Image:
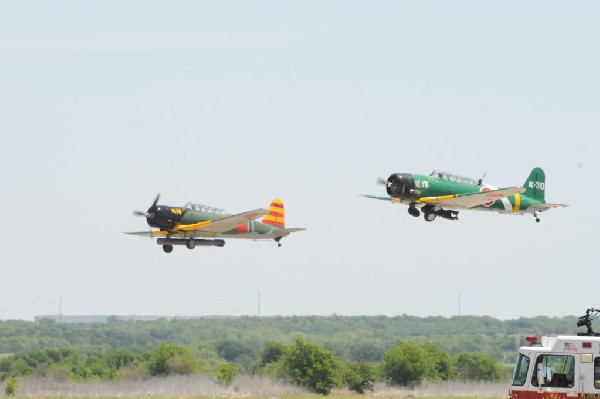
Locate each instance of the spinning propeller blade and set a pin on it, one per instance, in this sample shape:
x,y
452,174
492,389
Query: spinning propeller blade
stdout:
x,y
150,210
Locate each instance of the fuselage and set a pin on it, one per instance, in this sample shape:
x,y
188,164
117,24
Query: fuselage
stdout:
x,y
408,188
168,218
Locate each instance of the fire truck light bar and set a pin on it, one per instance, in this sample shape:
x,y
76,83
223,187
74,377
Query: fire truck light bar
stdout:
x,y
532,340
587,344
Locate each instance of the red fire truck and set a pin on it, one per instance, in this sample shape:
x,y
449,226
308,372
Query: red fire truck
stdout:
x,y
560,367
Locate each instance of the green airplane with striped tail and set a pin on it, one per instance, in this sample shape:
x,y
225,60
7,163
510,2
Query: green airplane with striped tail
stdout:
x,y
443,194
198,225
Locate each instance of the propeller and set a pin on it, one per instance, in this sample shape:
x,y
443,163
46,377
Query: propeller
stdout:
x,y
480,181
150,210
381,181
150,213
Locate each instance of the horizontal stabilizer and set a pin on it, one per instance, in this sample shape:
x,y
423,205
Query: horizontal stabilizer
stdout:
x,y
288,231
545,207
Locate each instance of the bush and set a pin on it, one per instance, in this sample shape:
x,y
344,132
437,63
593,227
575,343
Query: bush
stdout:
x,y
443,365
406,363
226,372
311,365
172,359
11,385
360,376
477,367
271,352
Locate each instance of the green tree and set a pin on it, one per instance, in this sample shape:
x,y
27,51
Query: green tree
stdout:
x,y
310,365
360,376
477,367
443,365
172,359
406,363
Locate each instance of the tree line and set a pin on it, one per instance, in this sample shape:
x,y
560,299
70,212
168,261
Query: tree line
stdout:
x,y
351,338
305,363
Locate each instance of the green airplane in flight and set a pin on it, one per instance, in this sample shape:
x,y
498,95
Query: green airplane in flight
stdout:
x,y
444,194
198,225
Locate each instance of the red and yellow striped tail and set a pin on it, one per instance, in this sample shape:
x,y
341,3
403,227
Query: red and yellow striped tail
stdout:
x,y
276,216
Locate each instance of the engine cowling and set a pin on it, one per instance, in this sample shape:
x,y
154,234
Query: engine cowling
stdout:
x,y
164,217
400,185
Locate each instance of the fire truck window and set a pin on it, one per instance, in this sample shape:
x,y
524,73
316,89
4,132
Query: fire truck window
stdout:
x,y
597,372
520,375
554,371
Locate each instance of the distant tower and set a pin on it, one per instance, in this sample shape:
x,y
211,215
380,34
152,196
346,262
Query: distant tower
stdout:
x,y
259,304
60,309
459,303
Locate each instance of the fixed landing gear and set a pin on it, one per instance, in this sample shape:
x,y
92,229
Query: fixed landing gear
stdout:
x,y
429,216
191,244
430,213
413,211
535,215
168,248
277,239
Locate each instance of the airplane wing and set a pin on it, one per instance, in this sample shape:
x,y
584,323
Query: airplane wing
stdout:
x,y
149,233
394,200
227,223
376,197
473,199
545,207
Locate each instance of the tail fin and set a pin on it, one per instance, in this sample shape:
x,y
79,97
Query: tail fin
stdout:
x,y
535,185
276,215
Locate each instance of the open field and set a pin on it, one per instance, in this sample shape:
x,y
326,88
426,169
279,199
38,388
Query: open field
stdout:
x,y
242,387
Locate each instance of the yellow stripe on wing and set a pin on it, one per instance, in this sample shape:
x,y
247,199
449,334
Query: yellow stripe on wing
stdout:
x,y
438,199
193,226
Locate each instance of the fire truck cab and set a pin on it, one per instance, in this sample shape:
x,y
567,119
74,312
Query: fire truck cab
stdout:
x,y
559,367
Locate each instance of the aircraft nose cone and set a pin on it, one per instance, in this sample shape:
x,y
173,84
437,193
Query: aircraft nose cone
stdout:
x,y
399,185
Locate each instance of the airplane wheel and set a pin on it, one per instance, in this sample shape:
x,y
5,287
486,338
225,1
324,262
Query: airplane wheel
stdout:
x,y
168,248
191,244
537,220
278,245
429,217
414,211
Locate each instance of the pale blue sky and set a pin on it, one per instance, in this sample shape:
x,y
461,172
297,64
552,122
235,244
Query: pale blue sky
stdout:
x,y
105,103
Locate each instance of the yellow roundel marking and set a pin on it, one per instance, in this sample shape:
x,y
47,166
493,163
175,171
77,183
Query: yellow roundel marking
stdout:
x,y
517,202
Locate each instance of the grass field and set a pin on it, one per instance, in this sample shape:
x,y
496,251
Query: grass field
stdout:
x,y
243,387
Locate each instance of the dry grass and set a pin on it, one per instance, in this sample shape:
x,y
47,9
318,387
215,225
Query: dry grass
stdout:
x,y
172,386
444,390
196,387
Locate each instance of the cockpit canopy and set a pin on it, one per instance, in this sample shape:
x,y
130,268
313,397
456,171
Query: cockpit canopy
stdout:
x,y
204,208
440,174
